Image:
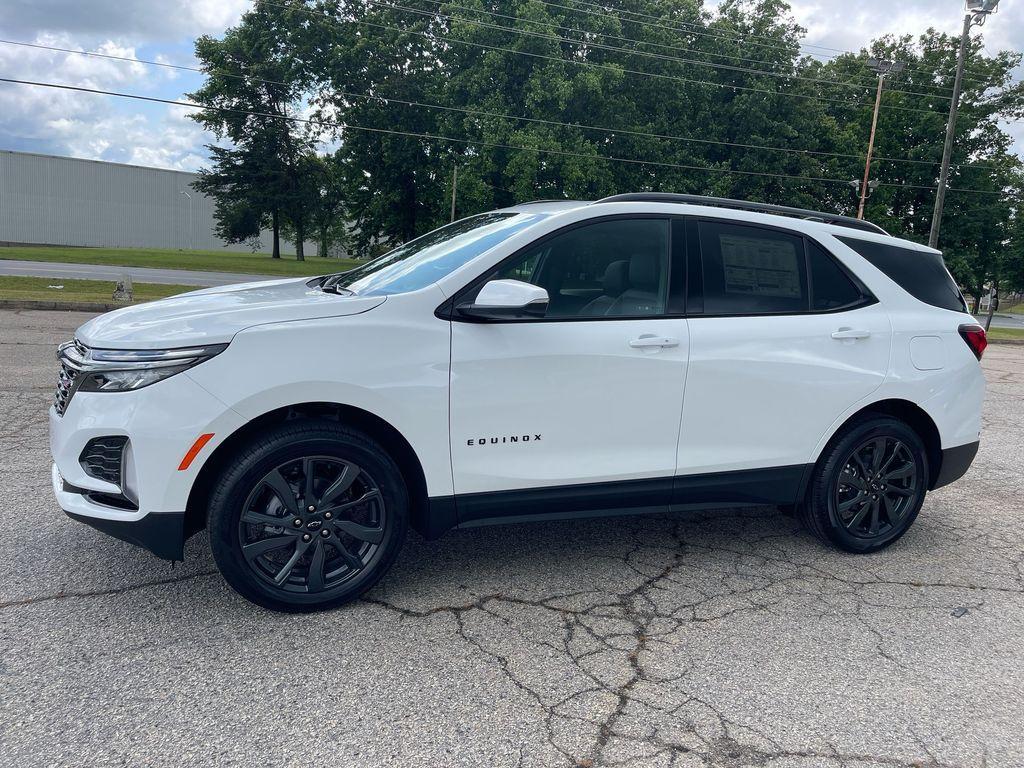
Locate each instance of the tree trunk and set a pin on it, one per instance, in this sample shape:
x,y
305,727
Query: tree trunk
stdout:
x,y
277,234
323,242
300,235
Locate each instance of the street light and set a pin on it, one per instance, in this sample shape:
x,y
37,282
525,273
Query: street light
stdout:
x,y
977,12
882,67
186,194
872,186
982,6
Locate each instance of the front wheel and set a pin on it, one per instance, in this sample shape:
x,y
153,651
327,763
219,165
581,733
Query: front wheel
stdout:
x,y
868,486
308,517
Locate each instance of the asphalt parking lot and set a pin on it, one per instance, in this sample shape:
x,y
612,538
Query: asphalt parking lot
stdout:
x,y
725,638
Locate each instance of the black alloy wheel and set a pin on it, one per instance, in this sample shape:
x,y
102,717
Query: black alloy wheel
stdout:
x,y
311,524
308,516
876,487
868,486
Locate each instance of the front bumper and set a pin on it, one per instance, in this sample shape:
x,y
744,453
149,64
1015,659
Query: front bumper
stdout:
x,y
161,422
162,533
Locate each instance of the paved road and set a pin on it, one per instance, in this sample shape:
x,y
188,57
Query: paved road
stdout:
x,y
1005,321
62,271
725,638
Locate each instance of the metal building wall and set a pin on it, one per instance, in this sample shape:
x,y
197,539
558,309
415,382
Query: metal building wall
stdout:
x,y
52,200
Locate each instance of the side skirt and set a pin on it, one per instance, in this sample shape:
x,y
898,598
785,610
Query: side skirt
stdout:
x,y
750,487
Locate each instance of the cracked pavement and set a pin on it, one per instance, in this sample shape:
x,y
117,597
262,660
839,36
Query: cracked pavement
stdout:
x,y
722,638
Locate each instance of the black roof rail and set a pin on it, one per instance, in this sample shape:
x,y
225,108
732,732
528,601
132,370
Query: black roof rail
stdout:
x,y
550,200
742,205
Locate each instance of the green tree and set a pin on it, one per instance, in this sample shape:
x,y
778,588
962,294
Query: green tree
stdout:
x,y
324,175
541,99
253,86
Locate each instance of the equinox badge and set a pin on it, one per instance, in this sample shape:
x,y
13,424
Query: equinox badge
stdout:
x,y
503,439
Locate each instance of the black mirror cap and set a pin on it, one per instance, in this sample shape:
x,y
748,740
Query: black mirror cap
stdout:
x,y
478,314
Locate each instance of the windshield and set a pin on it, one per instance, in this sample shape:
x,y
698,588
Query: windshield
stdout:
x,y
427,259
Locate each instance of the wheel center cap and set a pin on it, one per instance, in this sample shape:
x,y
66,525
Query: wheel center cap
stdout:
x,y
314,525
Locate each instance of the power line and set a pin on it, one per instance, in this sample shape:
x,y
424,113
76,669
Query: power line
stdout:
x,y
606,35
486,113
469,142
472,142
687,26
630,51
689,29
594,65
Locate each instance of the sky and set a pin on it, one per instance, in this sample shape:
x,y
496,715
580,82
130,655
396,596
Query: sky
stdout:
x,y
127,131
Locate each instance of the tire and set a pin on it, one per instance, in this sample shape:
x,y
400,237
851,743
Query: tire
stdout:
x,y
307,545
862,498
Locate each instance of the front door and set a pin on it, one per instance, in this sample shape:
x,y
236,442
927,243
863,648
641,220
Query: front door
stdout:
x,y
590,395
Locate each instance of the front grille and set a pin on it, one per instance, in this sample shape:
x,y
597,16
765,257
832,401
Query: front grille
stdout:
x,y
65,388
67,376
102,458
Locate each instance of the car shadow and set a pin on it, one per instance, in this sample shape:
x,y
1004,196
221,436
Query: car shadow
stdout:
x,y
537,560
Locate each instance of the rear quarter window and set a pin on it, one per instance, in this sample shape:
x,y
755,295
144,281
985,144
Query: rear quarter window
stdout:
x,y
923,275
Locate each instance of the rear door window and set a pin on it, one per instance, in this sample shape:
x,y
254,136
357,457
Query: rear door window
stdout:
x,y
921,274
750,270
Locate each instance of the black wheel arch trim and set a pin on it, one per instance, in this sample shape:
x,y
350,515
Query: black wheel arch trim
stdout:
x,y
421,511
911,414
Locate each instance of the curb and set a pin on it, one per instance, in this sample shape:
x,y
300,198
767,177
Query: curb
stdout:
x,y
60,306
1011,342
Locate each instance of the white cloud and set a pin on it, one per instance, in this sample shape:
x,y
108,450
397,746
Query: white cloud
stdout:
x,y
167,72
88,125
141,19
840,24
90,71
172,141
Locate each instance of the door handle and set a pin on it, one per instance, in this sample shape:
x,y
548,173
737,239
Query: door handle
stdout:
x,y
650,340
850,333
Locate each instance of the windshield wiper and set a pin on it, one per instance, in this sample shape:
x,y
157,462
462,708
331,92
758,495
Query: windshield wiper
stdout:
x,y
329,284
336,289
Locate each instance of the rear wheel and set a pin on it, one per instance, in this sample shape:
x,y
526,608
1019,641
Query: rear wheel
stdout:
x,y
868,486
308,517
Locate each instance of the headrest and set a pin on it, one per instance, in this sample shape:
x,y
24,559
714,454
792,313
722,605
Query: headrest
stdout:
x,y
644,269
616,278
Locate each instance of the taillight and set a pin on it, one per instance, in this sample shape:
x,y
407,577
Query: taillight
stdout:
x,y
975,337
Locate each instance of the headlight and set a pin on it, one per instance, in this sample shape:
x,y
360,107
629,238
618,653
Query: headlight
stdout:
x,y
118,370
120,381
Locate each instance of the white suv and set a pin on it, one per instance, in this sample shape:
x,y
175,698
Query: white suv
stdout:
x,y
552,360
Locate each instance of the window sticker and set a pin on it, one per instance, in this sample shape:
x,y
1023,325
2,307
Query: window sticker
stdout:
x,y
760,267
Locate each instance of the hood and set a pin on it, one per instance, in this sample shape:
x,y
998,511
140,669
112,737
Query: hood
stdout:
x,y
215,315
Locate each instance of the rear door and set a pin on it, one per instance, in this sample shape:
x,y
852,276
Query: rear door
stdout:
x,y
783,340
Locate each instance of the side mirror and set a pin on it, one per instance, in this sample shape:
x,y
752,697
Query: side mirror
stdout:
x,y
505,300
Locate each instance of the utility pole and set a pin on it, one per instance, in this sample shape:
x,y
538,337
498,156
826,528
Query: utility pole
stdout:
x,y
455,183
882,67
977,12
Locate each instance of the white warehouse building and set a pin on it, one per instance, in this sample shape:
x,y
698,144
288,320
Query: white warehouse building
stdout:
x,y
50,200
